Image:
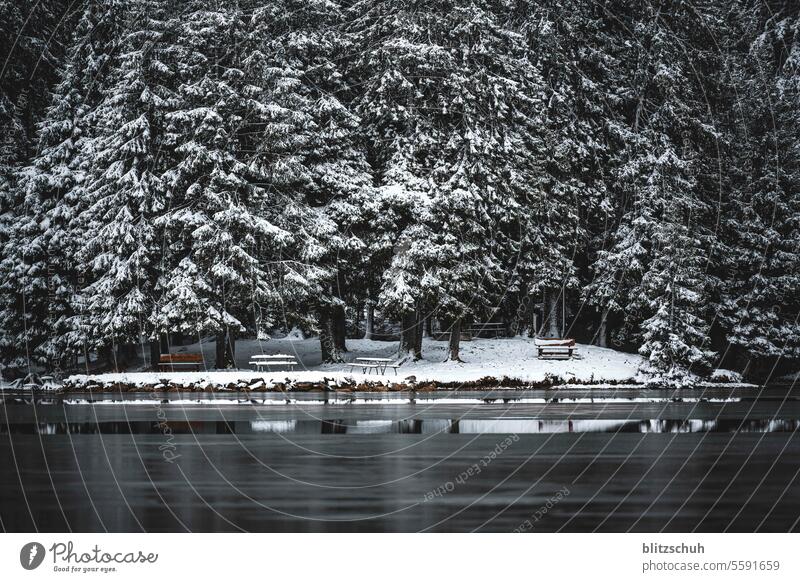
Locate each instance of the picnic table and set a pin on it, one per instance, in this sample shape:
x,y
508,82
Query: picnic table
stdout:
x,y
259,362
377,364
555,348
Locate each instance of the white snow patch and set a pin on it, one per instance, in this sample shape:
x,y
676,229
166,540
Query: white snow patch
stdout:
x,y
512,358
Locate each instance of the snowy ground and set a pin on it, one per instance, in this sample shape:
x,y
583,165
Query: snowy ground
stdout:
x,y
512,358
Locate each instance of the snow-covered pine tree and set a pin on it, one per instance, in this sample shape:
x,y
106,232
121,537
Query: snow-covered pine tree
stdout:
x,y
664,237
674,286
581,55
326,180
487,169
398,73
284,46
123,247
621,245
514,149
448,101
228,134
40,274
618,266
32,40
760,222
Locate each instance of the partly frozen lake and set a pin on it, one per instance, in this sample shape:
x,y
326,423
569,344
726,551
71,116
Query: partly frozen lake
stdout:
x,y
608,460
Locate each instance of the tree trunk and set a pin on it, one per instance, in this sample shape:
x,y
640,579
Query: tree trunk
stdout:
x,y
164,339
370,320
408,338
220,349
119,357
552,315
230,347
602,332
155,354
126,353
428,326
340,329
110,357
327,340
418,336
455,340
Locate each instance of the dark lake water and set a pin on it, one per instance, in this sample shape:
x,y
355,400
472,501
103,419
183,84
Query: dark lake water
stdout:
x,y
567,460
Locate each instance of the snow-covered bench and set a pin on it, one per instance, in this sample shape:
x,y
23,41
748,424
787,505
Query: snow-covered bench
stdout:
x,y
278,360
553,348
172,361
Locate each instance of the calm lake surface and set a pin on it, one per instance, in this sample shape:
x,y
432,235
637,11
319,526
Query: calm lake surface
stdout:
x,y
538,460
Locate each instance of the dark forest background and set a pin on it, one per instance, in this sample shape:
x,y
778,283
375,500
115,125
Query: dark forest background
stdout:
x,y
622,172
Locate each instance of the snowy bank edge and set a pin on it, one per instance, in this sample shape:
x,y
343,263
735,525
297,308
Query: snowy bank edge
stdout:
x,y
300,382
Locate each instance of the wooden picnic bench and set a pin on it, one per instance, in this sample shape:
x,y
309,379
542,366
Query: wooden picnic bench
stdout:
x,y
553,348
493,329
172,361
259,362
377,364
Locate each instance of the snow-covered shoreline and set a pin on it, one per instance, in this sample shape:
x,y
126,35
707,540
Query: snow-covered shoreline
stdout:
x,y
236,381
497,363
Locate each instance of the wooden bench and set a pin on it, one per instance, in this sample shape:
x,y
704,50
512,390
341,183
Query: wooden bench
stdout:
x,y
553,348
172,361
493,329
278,360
